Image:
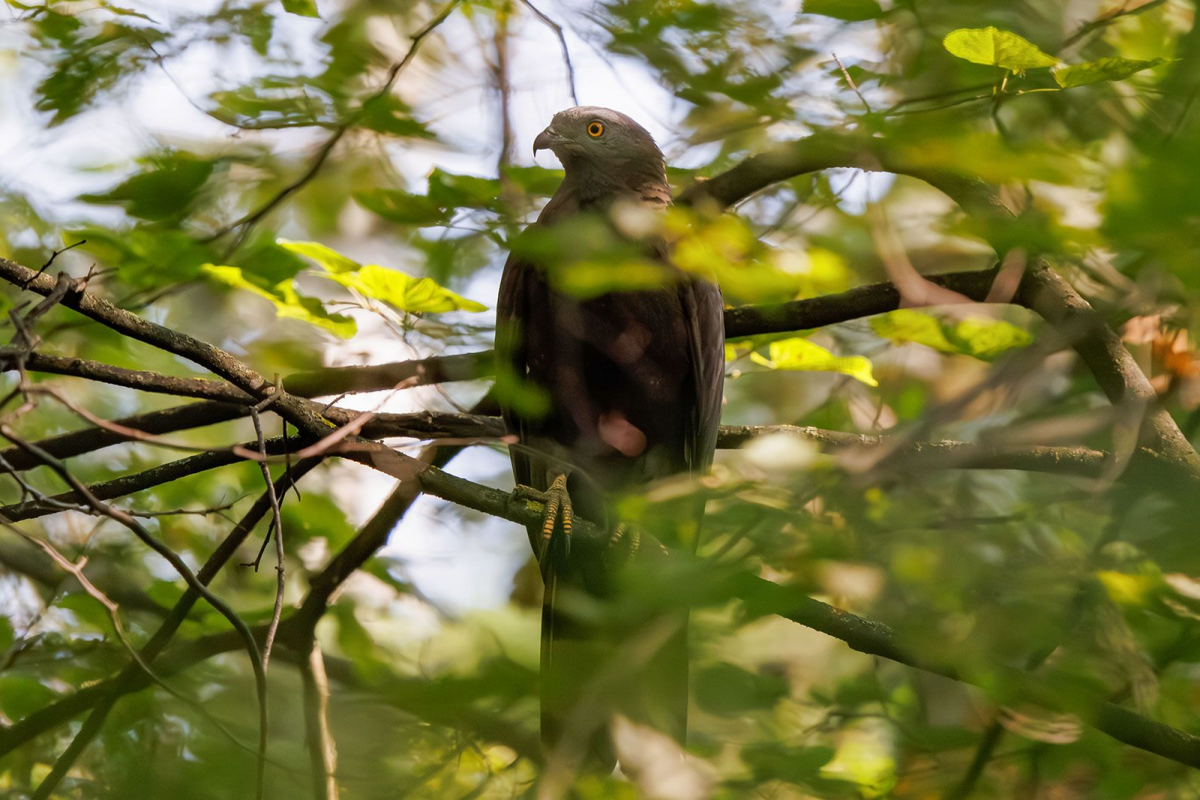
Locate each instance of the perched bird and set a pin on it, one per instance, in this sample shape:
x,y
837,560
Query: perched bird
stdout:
x,y
633,379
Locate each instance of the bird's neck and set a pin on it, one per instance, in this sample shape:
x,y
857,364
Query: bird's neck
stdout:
x,y
598,186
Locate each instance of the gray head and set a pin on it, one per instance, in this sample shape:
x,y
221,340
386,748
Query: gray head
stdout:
x,y
596,140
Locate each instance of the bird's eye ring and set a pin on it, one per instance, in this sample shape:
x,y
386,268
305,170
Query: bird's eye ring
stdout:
x,y
595,129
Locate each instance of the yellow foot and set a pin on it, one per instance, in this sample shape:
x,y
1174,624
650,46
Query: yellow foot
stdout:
x,y
623,545
557,517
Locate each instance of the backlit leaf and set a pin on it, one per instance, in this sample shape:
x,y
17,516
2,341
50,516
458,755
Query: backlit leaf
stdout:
x,y
289,304
998,48
801,354
1104,69
981,338
327,257
404,292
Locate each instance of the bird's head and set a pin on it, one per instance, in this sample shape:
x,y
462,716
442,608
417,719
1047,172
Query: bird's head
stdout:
x,y
595,138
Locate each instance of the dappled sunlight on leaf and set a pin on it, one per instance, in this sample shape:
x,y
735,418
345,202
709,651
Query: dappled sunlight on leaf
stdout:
x,y
801,354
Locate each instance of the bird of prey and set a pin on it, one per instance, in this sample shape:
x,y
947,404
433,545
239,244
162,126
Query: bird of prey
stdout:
x,y
633,379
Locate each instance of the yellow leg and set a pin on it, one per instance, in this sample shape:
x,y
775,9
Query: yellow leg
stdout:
x,y
558,514
616,540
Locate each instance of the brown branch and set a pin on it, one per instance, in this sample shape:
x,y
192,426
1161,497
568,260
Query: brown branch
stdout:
x,y
861,634
105,694
143,380
137,482
67,759
321,748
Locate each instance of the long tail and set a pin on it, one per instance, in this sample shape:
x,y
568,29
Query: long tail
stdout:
x,y
593,668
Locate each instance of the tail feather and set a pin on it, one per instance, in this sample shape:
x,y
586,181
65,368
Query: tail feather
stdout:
x,y
593,669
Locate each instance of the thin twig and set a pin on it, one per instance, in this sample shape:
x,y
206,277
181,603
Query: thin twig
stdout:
x,y
562,43
277,517
853,85
251,219
181,567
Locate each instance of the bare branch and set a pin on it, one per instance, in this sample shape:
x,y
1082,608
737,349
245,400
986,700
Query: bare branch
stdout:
x,y
321,747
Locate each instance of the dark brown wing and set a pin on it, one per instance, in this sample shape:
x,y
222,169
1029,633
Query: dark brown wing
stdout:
x,y
511,312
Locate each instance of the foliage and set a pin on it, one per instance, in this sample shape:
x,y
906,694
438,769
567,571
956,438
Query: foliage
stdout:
x,y
969,476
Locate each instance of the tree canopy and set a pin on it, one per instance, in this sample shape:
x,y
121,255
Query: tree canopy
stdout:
x,y
257,532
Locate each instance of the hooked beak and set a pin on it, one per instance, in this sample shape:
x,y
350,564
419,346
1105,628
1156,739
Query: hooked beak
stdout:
x,y
546,140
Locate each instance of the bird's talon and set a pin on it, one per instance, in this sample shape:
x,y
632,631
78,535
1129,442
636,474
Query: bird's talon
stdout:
x,y
557,518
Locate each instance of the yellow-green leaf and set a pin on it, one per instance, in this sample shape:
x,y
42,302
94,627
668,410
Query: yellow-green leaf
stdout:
x,y
287,301
403,292
327,257
997,48
801,354
906,325
1104,69
981,338
986,339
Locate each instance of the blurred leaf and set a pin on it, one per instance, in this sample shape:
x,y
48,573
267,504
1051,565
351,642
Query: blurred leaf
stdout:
x,y
164,191
288,302
728,690
774,761
998,48
386,113
906,325
302,8
801,354
986,339
7,635
84,68
21,695
146,255
982,338
327,257
463,191
87,609
849,10
1105,69
402,207
537,181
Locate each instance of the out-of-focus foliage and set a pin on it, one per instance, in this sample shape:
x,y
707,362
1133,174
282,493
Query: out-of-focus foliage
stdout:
x,y
211,153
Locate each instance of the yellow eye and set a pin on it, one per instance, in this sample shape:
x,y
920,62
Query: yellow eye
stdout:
x,y
595,129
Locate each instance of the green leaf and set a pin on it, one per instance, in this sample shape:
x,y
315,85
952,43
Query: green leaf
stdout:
x,y
7,635
469,191
1104,69
386,113
728,690
164,191
403,207
327,257
997,48
848,10
535,180
801,354
302,8
981,338
288,302
20,696
985,339
404,292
